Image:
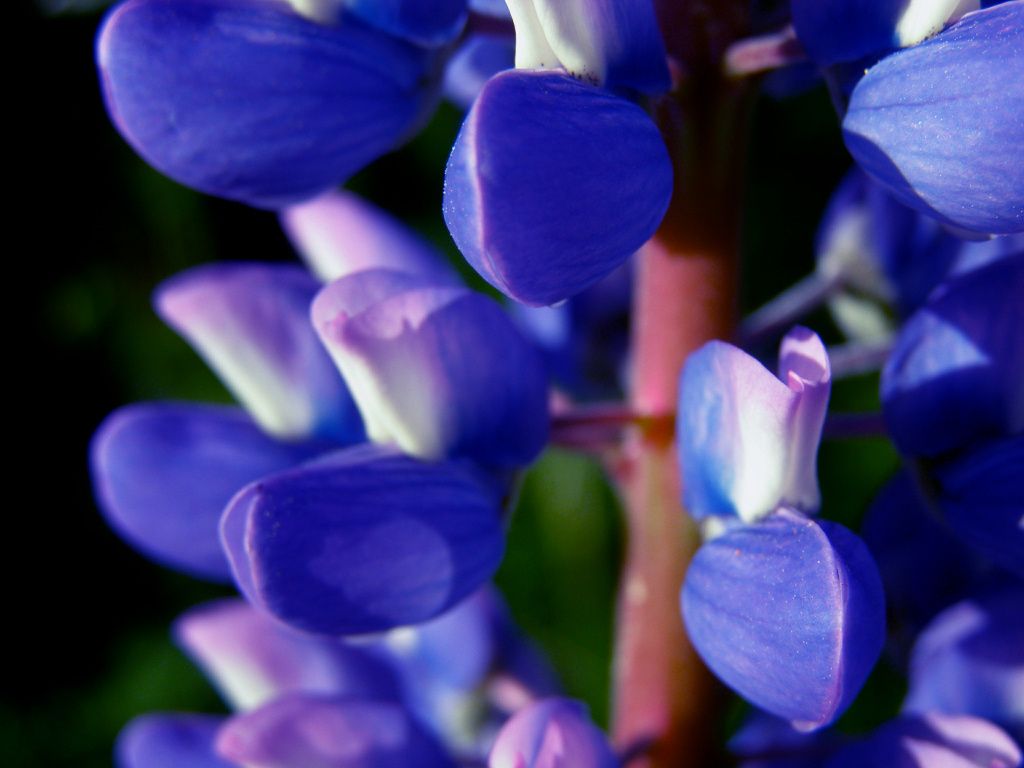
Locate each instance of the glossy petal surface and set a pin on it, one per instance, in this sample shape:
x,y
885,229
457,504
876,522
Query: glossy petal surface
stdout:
x,y
163,474
322,732
363,541
932,741
339,233
551,733
250,322
956,373
748,442
248,100
970,661
960,97
252,658
613,43
437,371
789,613
552,184
170,741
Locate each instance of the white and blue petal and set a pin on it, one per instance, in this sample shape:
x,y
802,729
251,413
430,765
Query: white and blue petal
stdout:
x,y
551,733
253,659
164,472
932,741
311,731
249,100
611,43
939,124
956,373
250,322
363,541
170,740
748,442
339,233
438,371
789,613
552,184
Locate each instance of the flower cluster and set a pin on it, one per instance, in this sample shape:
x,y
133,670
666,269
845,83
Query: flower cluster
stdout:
x,y
357,497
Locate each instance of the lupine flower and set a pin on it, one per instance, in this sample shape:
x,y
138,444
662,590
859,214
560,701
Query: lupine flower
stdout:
x,y
551,733
786,610
554,181
311,101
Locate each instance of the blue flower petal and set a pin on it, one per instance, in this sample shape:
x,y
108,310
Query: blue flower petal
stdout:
x,y
253,659
748,442
939,124
479,59
956,373
982,495
932,741
551,733
163,474
362,541
428,22
970,661
170,741
339,233
247,100
552,184
789,613
438,371
323,732
250,322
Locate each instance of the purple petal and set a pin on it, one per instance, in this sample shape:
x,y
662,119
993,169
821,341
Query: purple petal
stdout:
x,y
939,124
479,59
438,371
552,184
551,733
970,661
363,541
428,22
163,474
339,233
955,374
170,741
247,100
250,322
253,659
323,732
748,442
789,613
612,43
932,741
982,496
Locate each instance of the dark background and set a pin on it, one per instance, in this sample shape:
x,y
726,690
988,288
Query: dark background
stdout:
x,y
92,230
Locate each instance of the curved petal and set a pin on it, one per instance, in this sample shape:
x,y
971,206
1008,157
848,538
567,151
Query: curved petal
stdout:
x,y
955,374
253,659
339,233
982,496
552,184
428,22
789,613
939,124
748,442
441,372
551,733
324,732
170,741
932,741
247,100
363,541
479,59
164,472
970,661
250,322
612,43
